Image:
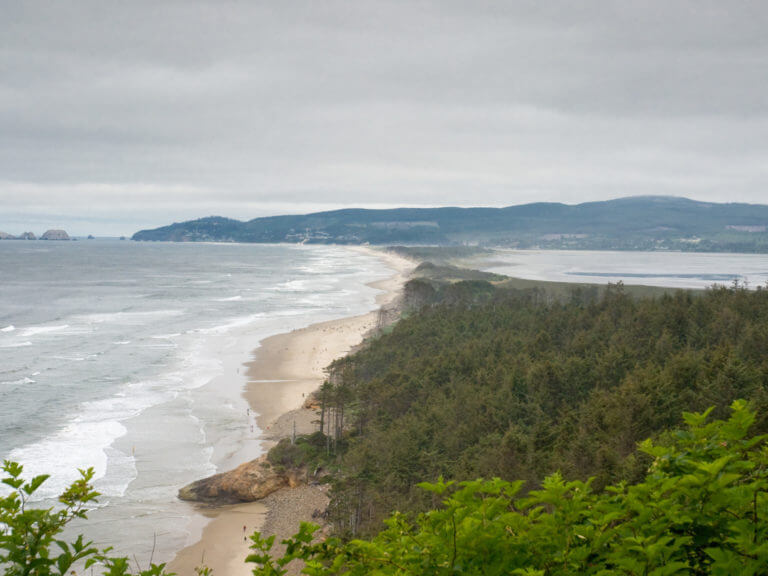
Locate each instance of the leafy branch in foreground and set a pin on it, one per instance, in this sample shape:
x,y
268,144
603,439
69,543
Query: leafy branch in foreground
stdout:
x,y
701,509
30,538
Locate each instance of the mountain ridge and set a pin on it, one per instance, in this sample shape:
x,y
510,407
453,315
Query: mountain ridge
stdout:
x,y
628,223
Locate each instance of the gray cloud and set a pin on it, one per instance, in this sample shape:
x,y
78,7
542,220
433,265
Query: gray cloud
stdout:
x,y
132,114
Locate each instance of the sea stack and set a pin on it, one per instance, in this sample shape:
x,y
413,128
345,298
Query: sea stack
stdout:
x,y
55,235
6,236
27,236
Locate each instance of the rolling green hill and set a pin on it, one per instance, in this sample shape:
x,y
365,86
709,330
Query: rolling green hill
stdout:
x,y
636,223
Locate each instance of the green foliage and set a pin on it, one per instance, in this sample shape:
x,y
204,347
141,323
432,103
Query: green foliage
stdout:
x,y
521,385
308,451
30,538
701,509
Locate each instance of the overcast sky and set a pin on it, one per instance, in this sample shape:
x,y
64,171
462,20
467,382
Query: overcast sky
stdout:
x,y
116,116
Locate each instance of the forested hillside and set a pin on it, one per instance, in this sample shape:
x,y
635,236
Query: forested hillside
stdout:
x,y
511,383
638,223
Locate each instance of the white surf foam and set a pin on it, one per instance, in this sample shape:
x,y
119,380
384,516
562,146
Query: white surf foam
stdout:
x,y
289,313
292,286
10,328
128,318
16,344
79,444
232,324
86,440
19,382
35,330
121,471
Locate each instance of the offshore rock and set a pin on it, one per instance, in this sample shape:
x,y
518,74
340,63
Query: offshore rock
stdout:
x,y
248,482
55,235
6,236
27,236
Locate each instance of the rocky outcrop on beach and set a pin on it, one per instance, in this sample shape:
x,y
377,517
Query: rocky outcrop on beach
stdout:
x,y
248,482
55,235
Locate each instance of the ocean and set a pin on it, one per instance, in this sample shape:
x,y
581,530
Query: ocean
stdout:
x,y
128,358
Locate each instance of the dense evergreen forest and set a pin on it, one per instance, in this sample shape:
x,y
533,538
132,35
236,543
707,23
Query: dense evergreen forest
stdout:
x,y
485,382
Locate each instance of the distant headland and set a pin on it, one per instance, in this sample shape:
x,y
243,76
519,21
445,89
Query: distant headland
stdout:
x,y
52,234
633,223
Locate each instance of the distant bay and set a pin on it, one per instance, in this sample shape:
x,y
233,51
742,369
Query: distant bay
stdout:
x,y
661,268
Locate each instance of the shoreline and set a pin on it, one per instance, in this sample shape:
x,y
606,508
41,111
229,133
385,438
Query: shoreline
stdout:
x,y
283,371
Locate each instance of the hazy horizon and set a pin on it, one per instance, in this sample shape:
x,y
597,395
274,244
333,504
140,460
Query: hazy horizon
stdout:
x,y
78,231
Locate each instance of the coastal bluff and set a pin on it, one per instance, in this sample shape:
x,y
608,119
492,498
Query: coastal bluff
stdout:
x,y
248,482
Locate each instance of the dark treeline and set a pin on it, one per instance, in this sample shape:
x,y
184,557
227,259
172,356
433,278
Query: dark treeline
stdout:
x,y
510,383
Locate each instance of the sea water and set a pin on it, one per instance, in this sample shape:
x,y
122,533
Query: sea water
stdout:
x,y
128,358
667,269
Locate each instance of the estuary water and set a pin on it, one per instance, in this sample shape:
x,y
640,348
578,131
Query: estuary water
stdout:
x,y
128,358
667,269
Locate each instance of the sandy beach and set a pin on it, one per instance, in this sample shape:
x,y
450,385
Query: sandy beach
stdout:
x,y
285,369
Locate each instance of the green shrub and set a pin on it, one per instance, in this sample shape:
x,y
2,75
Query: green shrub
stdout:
x,y
701,509
30,538
307,451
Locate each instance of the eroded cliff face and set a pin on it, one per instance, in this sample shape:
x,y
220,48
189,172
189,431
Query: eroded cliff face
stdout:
x,y
247,483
